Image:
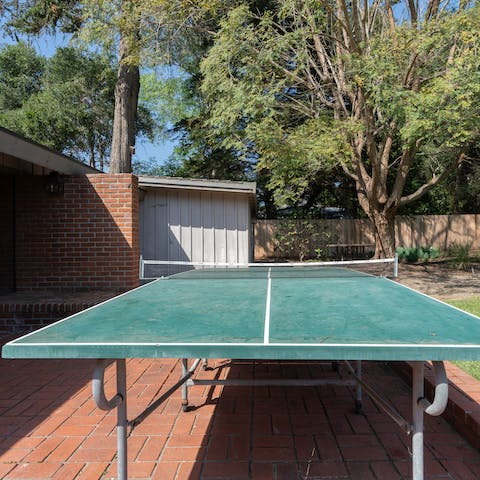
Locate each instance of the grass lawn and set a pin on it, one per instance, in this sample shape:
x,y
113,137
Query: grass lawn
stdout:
x,y
471,305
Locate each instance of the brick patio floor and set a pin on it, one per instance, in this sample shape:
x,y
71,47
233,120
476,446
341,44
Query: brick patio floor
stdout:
x,y
51,429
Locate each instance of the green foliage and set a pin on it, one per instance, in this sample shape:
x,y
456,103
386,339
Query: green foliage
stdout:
x,y
163,91
21,71
459,254
149,167
443,114
48,15
176,107
458,250
285,87
301,239
71,108
414,254
250,92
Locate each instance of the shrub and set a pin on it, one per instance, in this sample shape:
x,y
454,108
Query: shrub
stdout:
x,y
428,253
459,254
301,239
414,254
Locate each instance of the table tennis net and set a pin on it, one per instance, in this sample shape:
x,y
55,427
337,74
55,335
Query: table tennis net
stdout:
x,y
152,269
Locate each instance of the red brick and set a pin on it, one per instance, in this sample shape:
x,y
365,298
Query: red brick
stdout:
x,y
14,455
166,471
459,470
73,430
92,471
385,470
187,456
315,469
263,471
89,455
65,449
189,471
58,238
100,441
183,454
218,448
230,470
43,450
360,453
135,470
5,468
239,448
360,471
152,449
266,454
68,471
33,471
287,471
187,441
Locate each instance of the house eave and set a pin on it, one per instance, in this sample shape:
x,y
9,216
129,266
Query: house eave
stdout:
x,y
16,146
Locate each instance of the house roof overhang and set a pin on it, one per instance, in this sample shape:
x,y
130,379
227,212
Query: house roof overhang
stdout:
x,y
18,147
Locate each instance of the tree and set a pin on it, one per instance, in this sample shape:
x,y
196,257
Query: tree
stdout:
x,y
71,107
369,87
65,102
182,106
21,70
142,32
126,89
76,17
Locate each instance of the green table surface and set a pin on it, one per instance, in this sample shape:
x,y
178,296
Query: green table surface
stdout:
x,y
244,315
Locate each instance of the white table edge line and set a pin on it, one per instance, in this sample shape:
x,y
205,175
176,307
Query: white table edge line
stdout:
x,y
252,344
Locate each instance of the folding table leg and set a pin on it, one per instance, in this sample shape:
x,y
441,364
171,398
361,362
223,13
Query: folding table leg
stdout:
x,y
118,401
184,385
358,389
417,417
122,422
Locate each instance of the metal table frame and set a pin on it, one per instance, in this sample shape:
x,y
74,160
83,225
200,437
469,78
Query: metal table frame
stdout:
x,y
420,404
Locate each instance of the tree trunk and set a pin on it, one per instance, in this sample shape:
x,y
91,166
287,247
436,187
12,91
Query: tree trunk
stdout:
x,y
126,102
384,227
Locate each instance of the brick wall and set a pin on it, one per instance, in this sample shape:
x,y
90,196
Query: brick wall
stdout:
x,y
17,319
7,222
87,238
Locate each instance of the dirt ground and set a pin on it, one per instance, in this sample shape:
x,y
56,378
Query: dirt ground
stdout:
x,y
441,279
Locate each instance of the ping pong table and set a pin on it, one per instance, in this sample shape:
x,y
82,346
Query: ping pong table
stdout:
x,y
280,313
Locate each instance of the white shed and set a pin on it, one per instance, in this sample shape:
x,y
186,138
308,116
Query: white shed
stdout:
x,y
196,220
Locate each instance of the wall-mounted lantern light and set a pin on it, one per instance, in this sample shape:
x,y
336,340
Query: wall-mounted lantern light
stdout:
x,y
54,183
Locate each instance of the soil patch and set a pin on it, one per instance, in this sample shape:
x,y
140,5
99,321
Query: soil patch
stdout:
x,y
441,279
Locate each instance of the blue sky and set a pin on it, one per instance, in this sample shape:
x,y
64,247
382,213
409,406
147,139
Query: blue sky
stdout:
x,y
144,149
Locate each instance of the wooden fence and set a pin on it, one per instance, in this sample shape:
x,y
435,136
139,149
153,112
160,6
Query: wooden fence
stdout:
x,y
440,231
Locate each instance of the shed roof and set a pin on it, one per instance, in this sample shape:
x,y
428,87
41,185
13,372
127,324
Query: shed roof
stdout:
x,y
201,184
18,147
198,184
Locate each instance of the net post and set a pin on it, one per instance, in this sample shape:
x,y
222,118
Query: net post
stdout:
x,y
142,267
395,266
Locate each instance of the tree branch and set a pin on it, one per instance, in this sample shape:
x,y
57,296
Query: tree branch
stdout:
x,y
432,182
